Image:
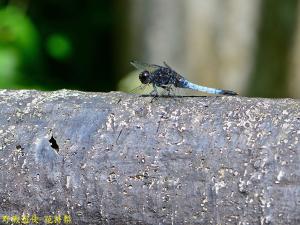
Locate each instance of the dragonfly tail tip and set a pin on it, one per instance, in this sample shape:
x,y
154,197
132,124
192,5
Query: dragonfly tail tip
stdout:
x,y
226,92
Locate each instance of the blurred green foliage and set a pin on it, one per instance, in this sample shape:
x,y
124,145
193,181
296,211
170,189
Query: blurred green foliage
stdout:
x,y
19,47
57,44
275,42
59,47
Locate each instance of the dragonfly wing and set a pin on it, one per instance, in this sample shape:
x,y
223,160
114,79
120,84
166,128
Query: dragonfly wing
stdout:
x,y
139,88
144,66
166,65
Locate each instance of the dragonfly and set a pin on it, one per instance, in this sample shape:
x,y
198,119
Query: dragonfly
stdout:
x,y
167,78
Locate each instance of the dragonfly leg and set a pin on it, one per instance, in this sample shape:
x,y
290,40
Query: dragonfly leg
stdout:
x,y
168,89
154,92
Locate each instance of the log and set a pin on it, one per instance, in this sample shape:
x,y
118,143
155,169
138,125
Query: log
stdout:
x,y
114,158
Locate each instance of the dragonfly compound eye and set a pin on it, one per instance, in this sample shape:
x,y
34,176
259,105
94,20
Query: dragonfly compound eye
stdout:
x,y
145,77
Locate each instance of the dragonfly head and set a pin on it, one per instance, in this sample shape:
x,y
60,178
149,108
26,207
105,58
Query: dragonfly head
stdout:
x,y
145,77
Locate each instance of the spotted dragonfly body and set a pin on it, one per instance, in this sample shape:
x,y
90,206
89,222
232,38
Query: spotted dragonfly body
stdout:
x,y
165,77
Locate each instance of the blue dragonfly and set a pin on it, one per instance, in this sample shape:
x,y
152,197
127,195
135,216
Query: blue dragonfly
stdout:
x,y
167,78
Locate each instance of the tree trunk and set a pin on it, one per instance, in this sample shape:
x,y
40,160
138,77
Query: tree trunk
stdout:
x,y
112,158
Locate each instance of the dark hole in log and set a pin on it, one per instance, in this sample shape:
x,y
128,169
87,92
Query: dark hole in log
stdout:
x,y
53,143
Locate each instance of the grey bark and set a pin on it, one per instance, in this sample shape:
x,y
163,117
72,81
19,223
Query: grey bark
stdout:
x,y
112,158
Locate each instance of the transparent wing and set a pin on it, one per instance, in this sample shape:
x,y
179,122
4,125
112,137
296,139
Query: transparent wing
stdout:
x,y
166,65
140,88
144,66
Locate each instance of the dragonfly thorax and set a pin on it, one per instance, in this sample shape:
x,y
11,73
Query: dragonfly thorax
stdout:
x,y
145,77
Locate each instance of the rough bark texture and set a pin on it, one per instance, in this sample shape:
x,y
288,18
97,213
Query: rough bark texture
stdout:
x,y
112,158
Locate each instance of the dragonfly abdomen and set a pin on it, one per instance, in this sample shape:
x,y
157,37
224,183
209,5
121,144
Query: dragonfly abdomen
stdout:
x,y
189,85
